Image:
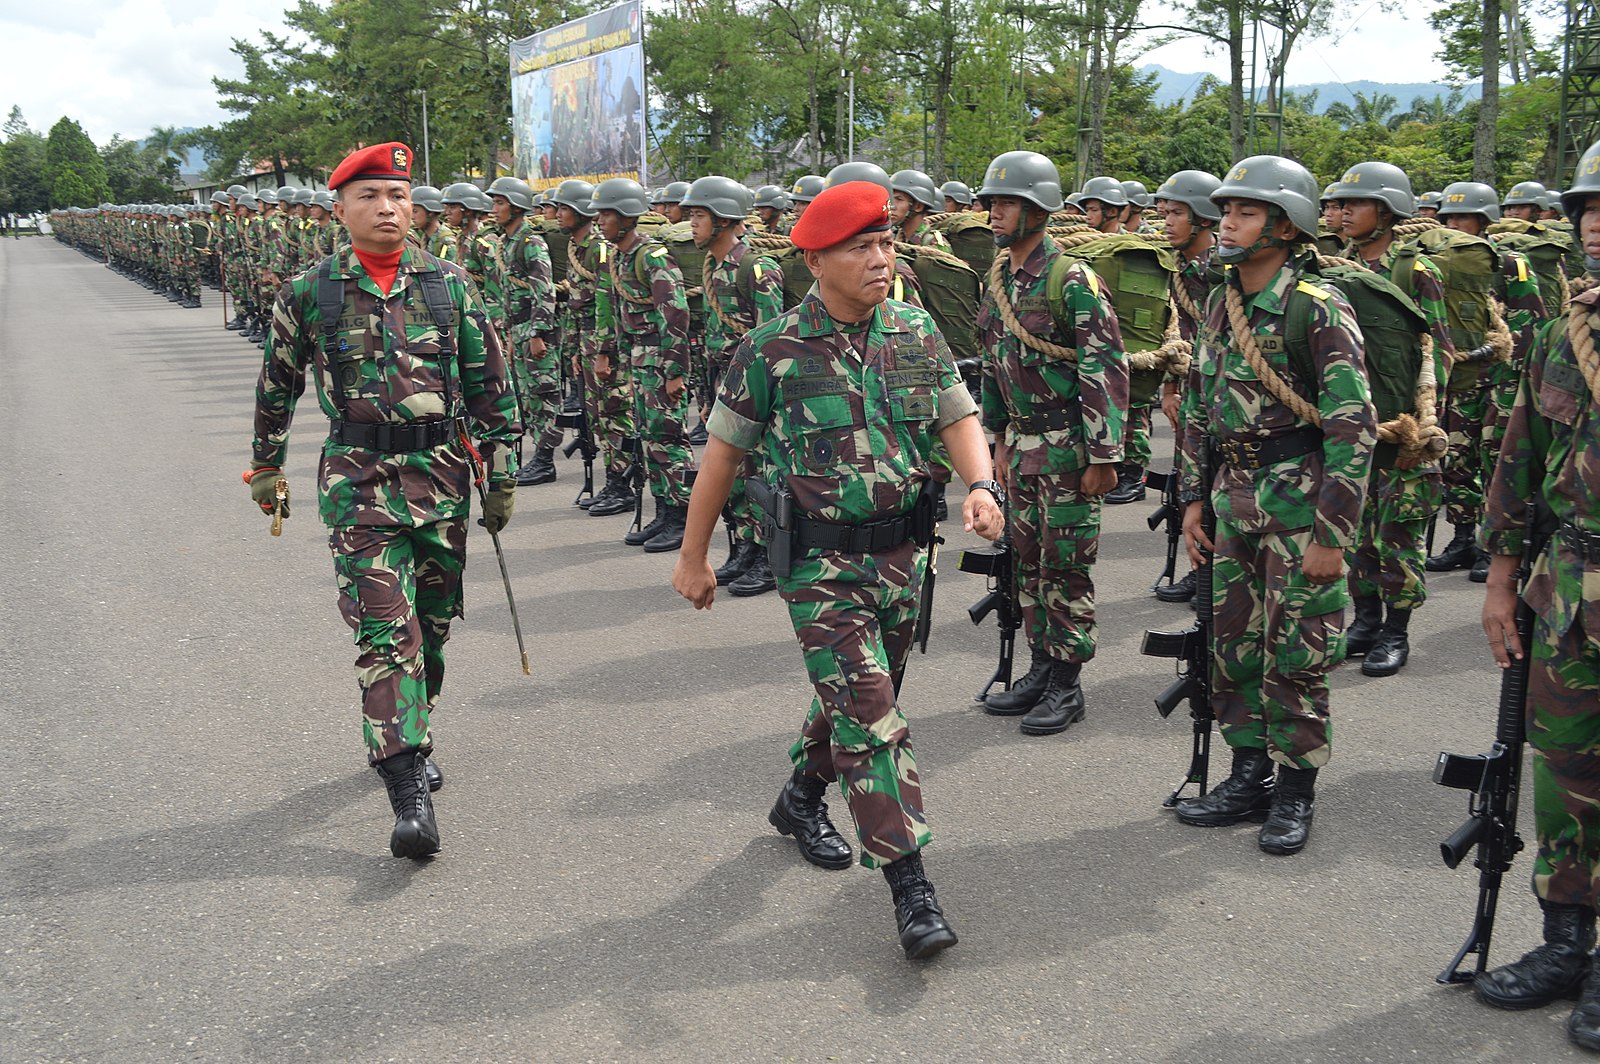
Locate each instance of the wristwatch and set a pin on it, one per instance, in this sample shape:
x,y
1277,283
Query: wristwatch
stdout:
x,y
992,487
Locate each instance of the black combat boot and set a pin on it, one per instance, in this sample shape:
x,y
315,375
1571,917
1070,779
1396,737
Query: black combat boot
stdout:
x,y
698,436
1583,1026
801,811
638,537
1244,795
670,535
922,926
1360,636
1460,553
254,332
1558,969
614,498
1389,653
1288,826
433,773
757,580
740,558
1130,484
1178,591
1022,694
540,469
1480,569
237,323
1061,704
415,832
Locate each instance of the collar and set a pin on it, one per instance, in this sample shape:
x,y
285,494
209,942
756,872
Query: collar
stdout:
x,y
816,321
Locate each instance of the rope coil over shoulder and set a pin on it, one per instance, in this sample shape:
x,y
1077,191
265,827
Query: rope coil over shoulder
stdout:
x,y
1580,334
1008,315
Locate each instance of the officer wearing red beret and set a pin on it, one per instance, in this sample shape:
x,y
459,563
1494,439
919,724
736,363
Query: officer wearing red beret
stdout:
x,y
846,395
405,367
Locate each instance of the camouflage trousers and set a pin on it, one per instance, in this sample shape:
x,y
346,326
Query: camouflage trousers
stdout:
x,y
742,514
399,588
1055,532
1467,416
854,615
1563,721
1276,636
659,418
1136,437
1503,379
609,405
1387,561
540,392
239,286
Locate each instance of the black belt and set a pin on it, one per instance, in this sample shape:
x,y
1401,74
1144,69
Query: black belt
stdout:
x,y
1260,452
1039,424
865,538
1584,543
393,439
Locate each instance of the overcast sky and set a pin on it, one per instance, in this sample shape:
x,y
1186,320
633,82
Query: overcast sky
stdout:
x,y
125,66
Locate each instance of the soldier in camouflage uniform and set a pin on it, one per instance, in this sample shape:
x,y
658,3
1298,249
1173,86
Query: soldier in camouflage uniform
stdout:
x,y
1184,203
844,395
957,197
1286,464
527,296
1386,567
912,199
806,188
1139,201
771,203
1055,388
744,289
645,293
428,225
1548,480
272,253
396,471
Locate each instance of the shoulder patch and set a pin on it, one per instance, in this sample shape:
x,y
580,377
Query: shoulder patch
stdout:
x,y
1522,268
656,253
1420,266
1311,290
757,268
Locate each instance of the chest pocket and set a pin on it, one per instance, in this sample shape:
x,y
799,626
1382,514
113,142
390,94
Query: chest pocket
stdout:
x,y
352,362
911,393
1562,393
822,424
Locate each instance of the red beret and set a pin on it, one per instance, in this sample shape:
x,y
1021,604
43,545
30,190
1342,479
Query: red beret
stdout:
x,y
381,162
839,213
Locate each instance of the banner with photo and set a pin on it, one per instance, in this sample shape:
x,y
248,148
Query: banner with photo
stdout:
x,y
578,97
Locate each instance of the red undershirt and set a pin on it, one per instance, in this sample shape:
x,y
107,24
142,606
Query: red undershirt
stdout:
x,y
381,268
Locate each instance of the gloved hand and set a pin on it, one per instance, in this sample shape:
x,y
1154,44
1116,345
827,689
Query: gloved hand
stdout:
x,y
263,483
498,502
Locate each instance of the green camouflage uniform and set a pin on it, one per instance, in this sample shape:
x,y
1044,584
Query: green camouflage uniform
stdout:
x,y
740,295
398,520
645,292
845,420
608,401
1276,635
1058,417
1551,454
529,295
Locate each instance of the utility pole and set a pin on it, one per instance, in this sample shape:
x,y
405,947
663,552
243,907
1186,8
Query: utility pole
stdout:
x,y
427,168
850,139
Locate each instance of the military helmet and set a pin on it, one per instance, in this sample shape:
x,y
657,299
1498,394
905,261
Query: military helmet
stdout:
x,y
1430,199
859,171
266,195
771,196
1551,200
1585,183
620,194
514,190
1026,175
917,185
428,198
1138,195
1470,197
957,191
1379,181
1524,194
481,202
237,190
658,195
725,197
806,188
322,198
674,192
286,194
1107,190
305,196
1281,182
1193,189
220,199
1327,193
459,194
575,194
248,202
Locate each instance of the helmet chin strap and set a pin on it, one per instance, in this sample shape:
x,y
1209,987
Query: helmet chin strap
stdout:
x,y
1023,230
716,231
1233,256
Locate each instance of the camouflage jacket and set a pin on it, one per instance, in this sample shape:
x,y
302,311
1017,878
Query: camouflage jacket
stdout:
x,y
1551,453
389,370
1021,382
1225,400
589,310
645,291
928,237
1519,291
273,248
1197,278
479,252
732,308
527,290
442,243
848,418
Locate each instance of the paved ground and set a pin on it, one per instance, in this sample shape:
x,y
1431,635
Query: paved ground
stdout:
x,y
194,863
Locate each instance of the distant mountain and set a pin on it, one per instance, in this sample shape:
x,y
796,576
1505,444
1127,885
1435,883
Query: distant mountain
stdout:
x,y
1173,86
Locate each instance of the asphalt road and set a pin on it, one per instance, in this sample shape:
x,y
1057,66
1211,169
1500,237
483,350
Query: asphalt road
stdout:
x,y
194,862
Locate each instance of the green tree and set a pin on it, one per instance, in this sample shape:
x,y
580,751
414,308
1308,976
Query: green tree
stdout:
x,y
73,172
22,184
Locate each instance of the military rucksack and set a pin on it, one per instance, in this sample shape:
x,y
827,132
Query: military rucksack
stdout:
x,y
1469,266
1136,276
1545,249
691,260
950,292
971,239
557,242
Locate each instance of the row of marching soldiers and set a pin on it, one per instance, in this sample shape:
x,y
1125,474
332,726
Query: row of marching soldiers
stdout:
x,y
164,247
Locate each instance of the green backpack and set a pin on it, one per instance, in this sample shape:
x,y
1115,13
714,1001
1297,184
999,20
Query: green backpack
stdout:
x,y
1136,275
951,292
1392,328
1470,266
971,239
691,261
1545,249
558,243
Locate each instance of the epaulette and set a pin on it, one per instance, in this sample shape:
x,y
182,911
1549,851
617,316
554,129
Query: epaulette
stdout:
x,y
1311,290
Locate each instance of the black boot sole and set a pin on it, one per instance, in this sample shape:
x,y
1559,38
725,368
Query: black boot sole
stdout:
x,y
1009,712
1523,1004
1280,850
412,844
781,822
1253,816
1052,729
934,942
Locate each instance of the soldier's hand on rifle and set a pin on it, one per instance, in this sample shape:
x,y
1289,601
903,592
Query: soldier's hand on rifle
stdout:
x,y
263,483
1500,611
498,502
981,514
1194,535
1096,480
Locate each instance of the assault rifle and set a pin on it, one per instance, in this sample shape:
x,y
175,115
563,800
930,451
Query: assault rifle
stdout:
x,y
919,635
1494,778
1170,514
578,420
1192,648
999,565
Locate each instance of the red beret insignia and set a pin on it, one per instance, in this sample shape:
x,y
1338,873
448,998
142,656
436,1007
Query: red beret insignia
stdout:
x,y
381,162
